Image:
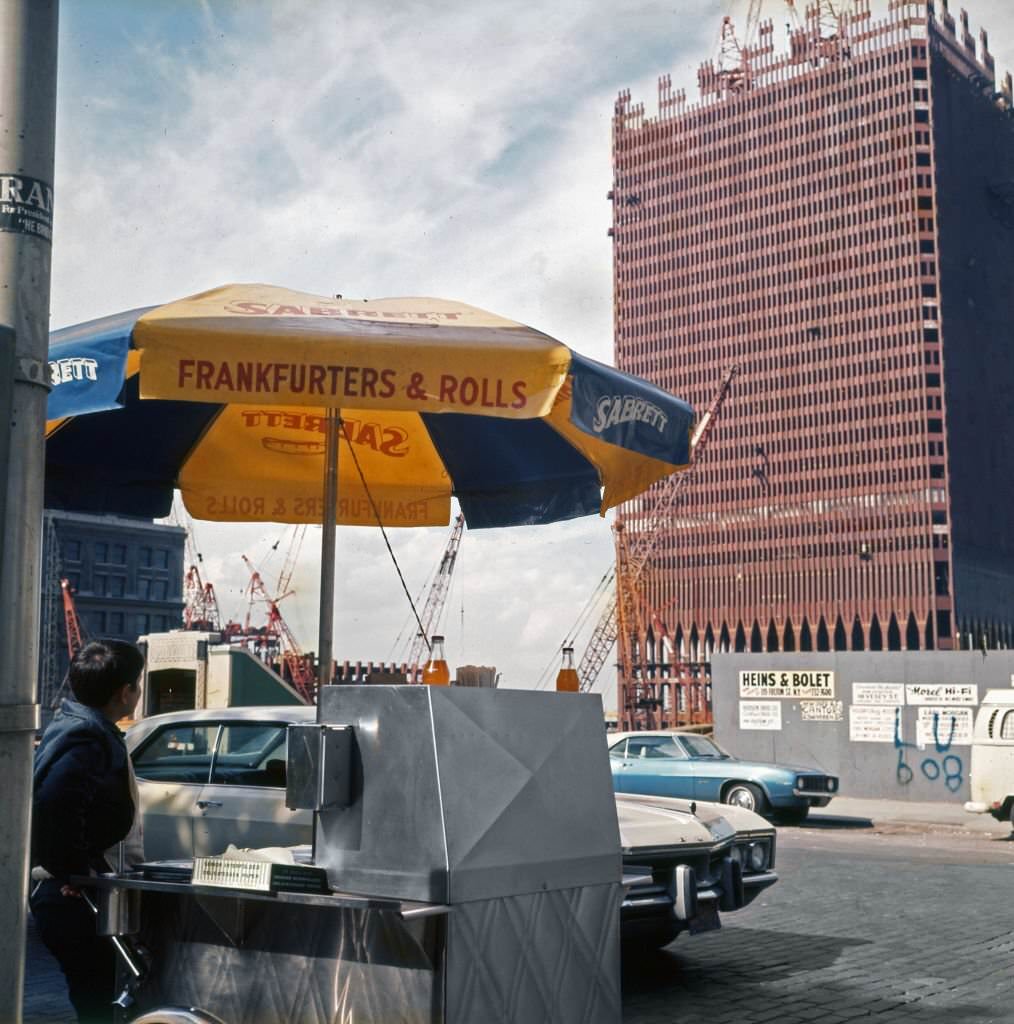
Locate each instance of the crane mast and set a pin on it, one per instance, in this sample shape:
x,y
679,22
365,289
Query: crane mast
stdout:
x,y
435,600
75,639
295,662
201,603
633,556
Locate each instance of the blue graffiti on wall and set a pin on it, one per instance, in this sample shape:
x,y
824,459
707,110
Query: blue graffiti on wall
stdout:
x,y
950,768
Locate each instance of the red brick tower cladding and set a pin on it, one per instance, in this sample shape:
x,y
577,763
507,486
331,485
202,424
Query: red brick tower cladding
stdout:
x,y
786,223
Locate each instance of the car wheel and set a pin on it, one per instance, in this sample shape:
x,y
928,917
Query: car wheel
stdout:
x,y
793,815
745,794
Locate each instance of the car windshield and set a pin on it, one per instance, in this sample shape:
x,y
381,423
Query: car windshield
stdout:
x,y
701,746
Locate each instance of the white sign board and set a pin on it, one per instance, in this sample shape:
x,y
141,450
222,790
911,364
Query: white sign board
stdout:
x,y
942,728
874,724
942,693
788,685
760,714
881,694
822,710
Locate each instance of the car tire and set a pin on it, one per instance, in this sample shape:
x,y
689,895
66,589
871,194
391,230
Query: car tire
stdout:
x,y
793,815
747,795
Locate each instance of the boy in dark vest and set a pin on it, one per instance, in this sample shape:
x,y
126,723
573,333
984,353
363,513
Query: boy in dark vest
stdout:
x,y
84,802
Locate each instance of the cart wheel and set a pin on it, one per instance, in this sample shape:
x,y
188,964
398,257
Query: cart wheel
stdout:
x,y
176,1015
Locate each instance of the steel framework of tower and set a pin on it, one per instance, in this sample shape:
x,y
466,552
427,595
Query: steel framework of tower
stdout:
x,y
841,230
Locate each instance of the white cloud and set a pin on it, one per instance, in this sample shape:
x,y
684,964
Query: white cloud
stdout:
x,y
444,148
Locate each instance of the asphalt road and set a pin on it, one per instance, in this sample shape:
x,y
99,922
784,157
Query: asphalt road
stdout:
x,y
892,922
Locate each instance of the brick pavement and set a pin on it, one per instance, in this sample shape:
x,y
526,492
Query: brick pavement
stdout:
x,y
843,939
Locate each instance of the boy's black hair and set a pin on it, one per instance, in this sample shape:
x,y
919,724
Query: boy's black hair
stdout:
x,y
101,668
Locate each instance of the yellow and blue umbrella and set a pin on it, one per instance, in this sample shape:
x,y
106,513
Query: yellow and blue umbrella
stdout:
x,y
437,398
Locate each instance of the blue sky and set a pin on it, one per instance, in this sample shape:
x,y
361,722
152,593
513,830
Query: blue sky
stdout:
x,y
432,148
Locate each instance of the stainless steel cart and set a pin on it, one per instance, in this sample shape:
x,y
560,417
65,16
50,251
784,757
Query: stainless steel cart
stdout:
x,y
473,859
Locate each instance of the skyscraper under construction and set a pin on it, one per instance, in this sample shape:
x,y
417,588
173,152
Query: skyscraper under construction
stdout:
x,y
836,217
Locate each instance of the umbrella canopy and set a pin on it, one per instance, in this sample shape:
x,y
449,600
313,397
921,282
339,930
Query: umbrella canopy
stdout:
x,y
225,395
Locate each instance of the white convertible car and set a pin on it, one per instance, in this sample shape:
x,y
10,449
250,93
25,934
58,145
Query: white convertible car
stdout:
x,y
210,778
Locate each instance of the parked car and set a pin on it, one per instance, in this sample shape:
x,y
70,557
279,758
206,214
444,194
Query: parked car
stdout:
x,y
688,765
210,778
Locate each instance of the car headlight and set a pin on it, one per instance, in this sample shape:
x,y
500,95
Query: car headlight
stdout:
x,y
758,856
737,854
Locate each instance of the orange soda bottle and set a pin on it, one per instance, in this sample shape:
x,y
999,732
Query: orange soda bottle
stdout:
x,y
566,678
435,671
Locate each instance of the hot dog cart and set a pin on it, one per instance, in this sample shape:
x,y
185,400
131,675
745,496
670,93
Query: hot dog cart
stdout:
x,y
466,868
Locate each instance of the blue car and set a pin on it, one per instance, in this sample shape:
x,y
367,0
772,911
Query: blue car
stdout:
x,y
687,765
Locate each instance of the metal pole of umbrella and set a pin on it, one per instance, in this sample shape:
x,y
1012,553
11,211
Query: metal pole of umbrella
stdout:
x,y
28,42
325,643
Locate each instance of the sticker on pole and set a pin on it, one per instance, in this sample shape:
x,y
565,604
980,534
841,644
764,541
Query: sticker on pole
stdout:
x,y
26,206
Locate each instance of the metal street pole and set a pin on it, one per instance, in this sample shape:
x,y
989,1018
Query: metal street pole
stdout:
x,y
325,627
28,42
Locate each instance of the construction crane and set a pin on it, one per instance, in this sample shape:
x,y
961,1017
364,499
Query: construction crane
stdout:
x,y
633,555
289,565
733,65
200,609
434,607
295,664
75,633
818,37
733,57
200,603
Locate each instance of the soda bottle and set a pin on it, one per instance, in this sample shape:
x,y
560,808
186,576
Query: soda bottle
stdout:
x,y
566,678
435,671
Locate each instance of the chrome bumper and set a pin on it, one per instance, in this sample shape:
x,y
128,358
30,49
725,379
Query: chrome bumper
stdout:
x,y
815,799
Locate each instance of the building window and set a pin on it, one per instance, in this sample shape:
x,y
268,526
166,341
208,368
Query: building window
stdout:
x,y
160,558
99,584
101,551
117,586
142,624
158,590
144,556
116,623
118,554
144,588
72,550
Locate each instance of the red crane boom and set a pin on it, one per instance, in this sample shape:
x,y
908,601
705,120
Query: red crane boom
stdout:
x,y
75,640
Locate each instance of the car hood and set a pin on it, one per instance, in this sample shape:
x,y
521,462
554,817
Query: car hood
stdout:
x,y
766,766
651,822
739,818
